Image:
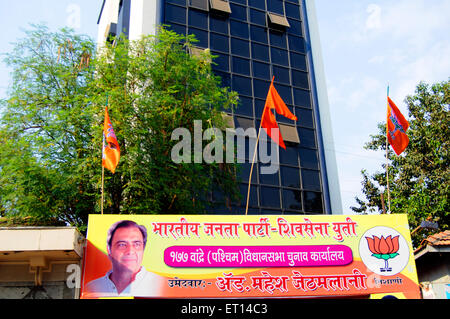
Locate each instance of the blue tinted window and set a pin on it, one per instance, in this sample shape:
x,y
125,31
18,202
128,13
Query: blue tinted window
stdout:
x,y
295,27
292,10
239,29
261,70
198,19
260,4
242,85
221,62
305,117
245,106
302,98
290,177
218,24
312,202
308,158
260,52
279,56
240,47
241,66
253,198
311,180
175,14
269,179
275,6
238,12
298,61
307,137
180,29
300,79
296,44
201,36
219,42
278,39
285,93
244,172
224,77
289,155
292,199
270,197
281,74
261,88
258,34
259,107
257,17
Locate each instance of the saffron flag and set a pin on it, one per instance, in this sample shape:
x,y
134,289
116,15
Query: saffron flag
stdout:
x,y
111,149
396,128
268,122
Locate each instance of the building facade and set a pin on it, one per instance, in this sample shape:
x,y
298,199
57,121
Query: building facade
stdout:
x,y
255,40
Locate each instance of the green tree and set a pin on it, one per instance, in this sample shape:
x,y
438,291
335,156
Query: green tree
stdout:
x,y
51,126
419,179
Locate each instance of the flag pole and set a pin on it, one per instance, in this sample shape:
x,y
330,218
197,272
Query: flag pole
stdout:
x,y
254,155
103,168
103,176
387,157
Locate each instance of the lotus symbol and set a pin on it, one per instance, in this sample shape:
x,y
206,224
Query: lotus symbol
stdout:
x,y
383,248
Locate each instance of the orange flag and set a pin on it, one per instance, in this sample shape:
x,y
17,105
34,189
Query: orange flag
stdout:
x,y
396,128
111,149
274,101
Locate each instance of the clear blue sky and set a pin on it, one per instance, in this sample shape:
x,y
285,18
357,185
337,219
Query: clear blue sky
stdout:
x,y
365,45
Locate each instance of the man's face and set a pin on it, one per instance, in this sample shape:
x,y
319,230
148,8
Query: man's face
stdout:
x,y
127,249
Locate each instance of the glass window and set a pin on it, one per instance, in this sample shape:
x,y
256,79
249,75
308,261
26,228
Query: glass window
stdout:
x,y
253,198
307,137
260,52
244,172
220,62
198,19
270,197
257,4
258,34
219,42
298,61
292,199
180,2
309,159
311,180
245,106
201,36
242,85
259,107
218,24
275,6
257,17
239,29
277,39
290,155
302,98
180,29
313,202
300,79
281,74
295,27
292,10
290,177
238,12
261,88
269,179
285,93
175,14
305,117
241,66
279,56
261,70
296,44
240,47
224,77
199,4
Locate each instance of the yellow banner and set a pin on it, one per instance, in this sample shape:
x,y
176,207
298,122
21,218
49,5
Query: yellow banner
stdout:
x,y
214,256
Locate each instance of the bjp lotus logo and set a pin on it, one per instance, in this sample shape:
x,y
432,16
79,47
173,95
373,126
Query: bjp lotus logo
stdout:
x,y
384,248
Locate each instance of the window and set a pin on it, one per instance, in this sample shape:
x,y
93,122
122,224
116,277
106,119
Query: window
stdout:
x,y
298,61
307,137
253,198
199,4
261,88
290,177
219,42
313,202
220,6
302,98
279,56
270,197
305,117
269,179
257,17
311,180
241,66
238,12
175,14
240,47
289,133
239,29
218,24
277,20
258,34
261,70
242,85
308,158
220,62
198,19
292,199
281,74
300,79
260,52
245,106
289,156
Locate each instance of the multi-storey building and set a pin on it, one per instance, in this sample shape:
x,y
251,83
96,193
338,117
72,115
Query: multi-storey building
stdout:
x,y
255,40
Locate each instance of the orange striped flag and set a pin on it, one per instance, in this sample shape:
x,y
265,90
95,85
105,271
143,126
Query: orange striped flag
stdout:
x,y
396,128
111,149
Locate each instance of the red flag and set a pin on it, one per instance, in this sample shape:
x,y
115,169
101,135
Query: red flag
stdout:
x,y
396,128
111,149
274,101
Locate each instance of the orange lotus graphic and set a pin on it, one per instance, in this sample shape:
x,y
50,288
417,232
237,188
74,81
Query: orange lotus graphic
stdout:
x,y
384,248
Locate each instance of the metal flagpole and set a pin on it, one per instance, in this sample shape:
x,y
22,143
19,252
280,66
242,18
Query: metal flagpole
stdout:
x,y
387,158
253,162
103,168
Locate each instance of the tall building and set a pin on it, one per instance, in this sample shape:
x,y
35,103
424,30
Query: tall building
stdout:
x,y
255,40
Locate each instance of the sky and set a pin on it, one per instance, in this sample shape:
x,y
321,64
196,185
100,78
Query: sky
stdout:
x,y
366,46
